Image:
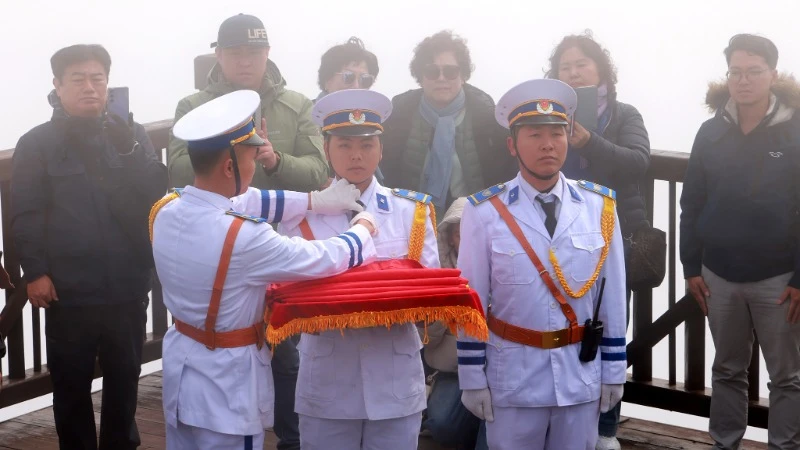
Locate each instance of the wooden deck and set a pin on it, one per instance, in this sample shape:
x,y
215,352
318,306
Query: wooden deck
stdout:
x,y
36,431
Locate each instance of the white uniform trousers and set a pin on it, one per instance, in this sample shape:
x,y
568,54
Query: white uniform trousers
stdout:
x,y
187,437
360,434
548,428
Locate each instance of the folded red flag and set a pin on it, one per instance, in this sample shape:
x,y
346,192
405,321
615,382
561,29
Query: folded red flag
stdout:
x,y
383,293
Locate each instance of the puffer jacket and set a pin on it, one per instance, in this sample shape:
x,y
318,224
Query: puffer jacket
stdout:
x,y
293,135
402,166
740,205
619,158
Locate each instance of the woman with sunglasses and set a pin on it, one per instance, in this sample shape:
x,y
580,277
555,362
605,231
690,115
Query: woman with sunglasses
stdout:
x,y
615,153
347,66
442,139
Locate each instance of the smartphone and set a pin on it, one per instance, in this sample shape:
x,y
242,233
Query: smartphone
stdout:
x,y
586,112
117,102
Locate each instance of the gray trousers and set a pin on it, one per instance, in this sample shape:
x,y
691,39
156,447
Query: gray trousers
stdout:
x,y
735,310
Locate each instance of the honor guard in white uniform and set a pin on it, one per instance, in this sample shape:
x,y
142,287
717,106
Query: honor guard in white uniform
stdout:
x,y
545,255
215,254
364,388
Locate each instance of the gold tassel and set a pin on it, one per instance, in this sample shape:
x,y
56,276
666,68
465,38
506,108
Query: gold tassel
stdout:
x,y
416,239
468,319
425,338
607,229
433,219
157,207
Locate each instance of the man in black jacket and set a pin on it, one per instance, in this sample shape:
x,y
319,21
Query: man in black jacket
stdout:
x,y
740,225
82,185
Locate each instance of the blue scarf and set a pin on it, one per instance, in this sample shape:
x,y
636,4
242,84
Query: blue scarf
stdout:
x,y
436,179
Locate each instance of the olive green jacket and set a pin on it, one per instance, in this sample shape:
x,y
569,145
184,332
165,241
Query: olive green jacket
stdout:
x,y
293,135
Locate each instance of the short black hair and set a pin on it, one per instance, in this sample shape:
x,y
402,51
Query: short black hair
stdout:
x,y
204,161
336,57
588,46
443,41
79,53
757,45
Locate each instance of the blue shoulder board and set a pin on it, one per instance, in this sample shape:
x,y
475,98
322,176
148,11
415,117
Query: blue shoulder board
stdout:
x,y
178,191
412,195
480,197
246,217
594,187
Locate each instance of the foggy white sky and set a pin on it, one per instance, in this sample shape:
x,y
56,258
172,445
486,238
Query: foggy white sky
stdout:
x,y
666,51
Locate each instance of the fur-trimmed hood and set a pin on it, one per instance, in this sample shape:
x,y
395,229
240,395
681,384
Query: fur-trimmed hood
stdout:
x,y
786,94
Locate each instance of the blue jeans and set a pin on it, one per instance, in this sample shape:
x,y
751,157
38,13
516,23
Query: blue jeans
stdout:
x,y
449,422
609,421
285,365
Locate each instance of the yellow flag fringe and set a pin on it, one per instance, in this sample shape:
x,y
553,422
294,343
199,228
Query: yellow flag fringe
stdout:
x,y
465,318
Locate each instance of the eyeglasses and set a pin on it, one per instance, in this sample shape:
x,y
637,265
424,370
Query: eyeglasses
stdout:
x,y
365,80
433,72
736,75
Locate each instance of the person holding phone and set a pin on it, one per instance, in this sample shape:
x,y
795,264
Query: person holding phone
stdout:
x,y
616,153
81,190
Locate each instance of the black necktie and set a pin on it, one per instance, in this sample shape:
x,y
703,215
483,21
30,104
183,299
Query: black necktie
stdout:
x,y
550,215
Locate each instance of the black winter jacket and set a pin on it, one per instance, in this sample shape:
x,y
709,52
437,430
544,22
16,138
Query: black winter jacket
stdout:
x,y
740,205
619,159
65,174
496,163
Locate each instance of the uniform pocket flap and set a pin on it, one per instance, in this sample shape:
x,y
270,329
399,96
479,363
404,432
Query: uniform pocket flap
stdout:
x,y
590,241
316,346
407,345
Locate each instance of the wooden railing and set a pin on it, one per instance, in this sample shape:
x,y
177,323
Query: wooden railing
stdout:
x,y
690,397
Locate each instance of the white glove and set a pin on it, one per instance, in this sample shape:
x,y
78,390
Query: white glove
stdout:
x,y
369,218
610,395
339,197
479,403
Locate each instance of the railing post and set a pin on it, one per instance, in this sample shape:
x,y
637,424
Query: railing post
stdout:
x,y
672,269
16,335
695,351
643,306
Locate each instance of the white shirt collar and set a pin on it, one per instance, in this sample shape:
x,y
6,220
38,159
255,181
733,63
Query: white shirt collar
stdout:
x,y
532,193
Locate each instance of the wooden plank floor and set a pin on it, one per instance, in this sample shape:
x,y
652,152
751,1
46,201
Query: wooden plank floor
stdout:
x,y
36,431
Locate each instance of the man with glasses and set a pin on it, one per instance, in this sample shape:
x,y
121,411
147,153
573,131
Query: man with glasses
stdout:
x,y
739,238
294,161
82,186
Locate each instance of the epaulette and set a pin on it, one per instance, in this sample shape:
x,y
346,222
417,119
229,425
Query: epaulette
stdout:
x,y
480,197
157,207
600,189
246,217
412,195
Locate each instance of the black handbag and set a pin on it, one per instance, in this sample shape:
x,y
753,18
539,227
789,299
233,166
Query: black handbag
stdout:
x,y
646,264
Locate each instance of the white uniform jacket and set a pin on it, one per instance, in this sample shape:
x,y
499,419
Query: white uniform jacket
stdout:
x,y
498,268
230,390
369,373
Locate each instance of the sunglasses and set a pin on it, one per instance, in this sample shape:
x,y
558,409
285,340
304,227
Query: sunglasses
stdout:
x,y
366,80
433,72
